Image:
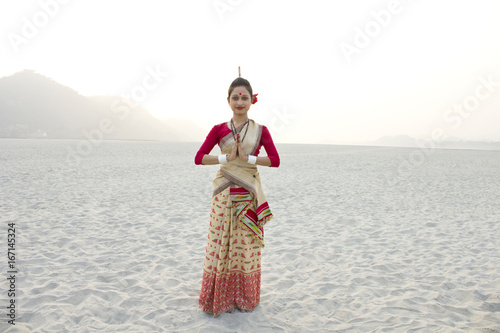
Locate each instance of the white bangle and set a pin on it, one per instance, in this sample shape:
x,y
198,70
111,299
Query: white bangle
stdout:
x,y
222,158
252,159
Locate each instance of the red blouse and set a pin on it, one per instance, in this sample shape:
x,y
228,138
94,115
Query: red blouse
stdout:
x,y
221,130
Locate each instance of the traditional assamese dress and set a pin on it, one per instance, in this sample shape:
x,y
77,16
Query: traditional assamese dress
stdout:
x,y
239,211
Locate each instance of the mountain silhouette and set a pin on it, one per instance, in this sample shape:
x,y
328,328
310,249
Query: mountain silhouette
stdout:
x,y
35,106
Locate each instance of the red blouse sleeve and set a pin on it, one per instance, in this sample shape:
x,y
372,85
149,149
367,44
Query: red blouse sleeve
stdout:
x,y
268,144
207,146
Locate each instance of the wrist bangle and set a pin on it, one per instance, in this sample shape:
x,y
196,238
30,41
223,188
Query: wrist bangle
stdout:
x,y
222,158
252,159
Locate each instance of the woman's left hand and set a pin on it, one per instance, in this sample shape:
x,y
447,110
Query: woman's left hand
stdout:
x,y
241,151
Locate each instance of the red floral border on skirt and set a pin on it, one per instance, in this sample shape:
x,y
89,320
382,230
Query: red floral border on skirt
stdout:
x,y
221,292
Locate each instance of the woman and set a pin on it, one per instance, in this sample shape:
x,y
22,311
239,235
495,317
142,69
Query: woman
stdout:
x,y
232,267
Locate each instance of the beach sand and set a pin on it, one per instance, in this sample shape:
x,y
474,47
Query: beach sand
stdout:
x,y
115,242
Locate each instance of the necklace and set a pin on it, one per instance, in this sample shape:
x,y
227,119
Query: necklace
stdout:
x,y
233,129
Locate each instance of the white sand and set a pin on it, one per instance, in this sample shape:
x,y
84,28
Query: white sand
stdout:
x,y
117,243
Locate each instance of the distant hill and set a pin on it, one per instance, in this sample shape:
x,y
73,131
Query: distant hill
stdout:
x,y
34,106
187,129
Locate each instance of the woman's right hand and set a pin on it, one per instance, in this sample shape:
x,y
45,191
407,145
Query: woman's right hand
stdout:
x,y
234,153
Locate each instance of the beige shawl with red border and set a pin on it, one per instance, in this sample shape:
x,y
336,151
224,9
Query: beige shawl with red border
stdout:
x,y
245,175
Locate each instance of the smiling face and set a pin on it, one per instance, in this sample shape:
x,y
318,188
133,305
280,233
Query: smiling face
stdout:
x,y
240,100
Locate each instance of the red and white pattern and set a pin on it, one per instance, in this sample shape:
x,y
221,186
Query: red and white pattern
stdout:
x,y
232,267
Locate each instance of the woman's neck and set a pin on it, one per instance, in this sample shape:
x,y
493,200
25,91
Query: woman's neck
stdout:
x,y
239,119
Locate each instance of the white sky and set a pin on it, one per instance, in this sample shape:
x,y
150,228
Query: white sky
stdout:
x,y
428,56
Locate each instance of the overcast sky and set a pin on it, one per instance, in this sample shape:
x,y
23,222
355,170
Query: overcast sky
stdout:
x,y
325,71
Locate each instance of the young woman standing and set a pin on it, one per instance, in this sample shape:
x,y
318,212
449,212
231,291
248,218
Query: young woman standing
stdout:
x,y
239,211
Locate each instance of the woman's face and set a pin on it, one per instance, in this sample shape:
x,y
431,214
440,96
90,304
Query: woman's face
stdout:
x,y
240,100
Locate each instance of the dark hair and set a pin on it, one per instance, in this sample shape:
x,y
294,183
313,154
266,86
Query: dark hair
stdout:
x,y
240,82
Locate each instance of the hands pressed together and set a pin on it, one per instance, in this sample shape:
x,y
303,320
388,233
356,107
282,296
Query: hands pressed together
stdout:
x,y
237,151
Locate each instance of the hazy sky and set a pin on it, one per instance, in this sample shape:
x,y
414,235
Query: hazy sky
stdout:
x,y
325,71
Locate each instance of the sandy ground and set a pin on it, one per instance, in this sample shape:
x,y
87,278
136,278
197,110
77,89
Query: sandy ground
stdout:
x,y
115,242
